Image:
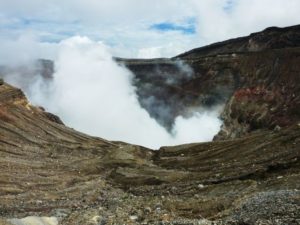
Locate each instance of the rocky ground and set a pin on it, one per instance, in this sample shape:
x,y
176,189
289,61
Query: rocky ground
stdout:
x,y
52,174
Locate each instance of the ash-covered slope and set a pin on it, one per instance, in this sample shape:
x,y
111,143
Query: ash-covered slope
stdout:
x,y
48,169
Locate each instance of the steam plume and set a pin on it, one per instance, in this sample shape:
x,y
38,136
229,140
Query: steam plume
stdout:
x,y
93,94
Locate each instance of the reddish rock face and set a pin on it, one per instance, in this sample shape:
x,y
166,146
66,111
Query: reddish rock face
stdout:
x,y
268,96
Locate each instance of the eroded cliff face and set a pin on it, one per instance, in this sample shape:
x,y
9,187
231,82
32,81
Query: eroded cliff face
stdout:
x,y
63,176
259,86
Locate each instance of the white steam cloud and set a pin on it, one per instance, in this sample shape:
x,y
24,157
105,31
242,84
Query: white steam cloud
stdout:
x,y
93,94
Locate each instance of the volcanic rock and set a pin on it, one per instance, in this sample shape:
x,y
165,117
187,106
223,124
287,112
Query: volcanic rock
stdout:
x,y
259,86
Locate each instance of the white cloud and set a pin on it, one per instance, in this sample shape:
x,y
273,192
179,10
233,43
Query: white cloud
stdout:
x,y
123,24
169,50
245,17
24,49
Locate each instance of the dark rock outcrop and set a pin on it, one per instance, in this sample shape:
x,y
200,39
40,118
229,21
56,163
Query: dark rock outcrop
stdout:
x,y
270,38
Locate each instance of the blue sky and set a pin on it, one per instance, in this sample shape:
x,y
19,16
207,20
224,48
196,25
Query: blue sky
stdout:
x,y
187,28
139,28
229,5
